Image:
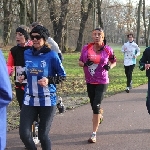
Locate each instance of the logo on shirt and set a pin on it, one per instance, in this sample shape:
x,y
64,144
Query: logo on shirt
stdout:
x,y
43,63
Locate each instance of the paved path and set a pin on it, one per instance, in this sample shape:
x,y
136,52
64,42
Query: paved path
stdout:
x,y
126,126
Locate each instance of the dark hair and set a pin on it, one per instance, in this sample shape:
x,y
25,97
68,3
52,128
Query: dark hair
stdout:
x,y
24,30
130,34
99,29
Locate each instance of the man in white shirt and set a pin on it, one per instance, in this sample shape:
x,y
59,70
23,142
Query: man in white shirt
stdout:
x,y
131,51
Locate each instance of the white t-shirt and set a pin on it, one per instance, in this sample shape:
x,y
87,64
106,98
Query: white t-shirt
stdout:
x,y
54,45
130,50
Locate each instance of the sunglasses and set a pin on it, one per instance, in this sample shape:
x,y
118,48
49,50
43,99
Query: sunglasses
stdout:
x,y
38,37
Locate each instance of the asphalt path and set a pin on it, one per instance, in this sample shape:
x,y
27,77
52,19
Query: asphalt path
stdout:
x,y
126,126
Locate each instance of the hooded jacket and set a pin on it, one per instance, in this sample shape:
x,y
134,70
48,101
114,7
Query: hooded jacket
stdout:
x,y
5,98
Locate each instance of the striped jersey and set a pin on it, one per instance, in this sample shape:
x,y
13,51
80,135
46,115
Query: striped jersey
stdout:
x,y
37,66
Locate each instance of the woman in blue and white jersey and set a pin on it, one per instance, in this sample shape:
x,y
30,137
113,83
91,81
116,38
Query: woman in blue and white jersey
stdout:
x,y
42,64
131,51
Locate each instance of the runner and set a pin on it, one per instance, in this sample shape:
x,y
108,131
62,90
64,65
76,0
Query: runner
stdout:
x,y
42,65
131,51
15,61
96,59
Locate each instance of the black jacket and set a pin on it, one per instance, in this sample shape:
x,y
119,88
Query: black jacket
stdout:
x,y
145,60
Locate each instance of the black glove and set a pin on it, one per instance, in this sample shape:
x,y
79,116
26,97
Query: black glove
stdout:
x,y
88,63
55,80
142,66
106,67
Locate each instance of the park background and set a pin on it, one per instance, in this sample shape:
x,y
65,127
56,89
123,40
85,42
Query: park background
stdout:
x,y
70,23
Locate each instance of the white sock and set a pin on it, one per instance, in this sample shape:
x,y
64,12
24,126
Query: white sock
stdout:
x,y
94,133
127,88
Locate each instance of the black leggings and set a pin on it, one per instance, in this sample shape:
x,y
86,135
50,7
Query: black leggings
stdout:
x,y
20,96
27,115
128,73
96,94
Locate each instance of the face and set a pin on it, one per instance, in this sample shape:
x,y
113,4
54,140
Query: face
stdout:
x,y
130,38
37,40
20,39
98,36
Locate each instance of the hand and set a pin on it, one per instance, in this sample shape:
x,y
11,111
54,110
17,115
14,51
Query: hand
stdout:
x,y
88,63
106,67
125,49
20,78
134,56
147,66
43,82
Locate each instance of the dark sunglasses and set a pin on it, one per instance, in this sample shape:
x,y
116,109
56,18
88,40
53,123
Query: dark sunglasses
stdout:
x,y
38,37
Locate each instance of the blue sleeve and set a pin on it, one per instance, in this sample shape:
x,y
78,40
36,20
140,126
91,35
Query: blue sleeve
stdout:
x,y
57,66
5,85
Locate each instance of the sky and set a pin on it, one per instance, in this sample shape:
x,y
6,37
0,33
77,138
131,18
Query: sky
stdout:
x,y
147,2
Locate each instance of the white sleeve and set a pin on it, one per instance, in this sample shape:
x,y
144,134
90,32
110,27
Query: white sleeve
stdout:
x,y
122,49
137,50
54,45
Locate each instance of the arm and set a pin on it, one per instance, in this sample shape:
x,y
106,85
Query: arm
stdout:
x,y
123,49
137,51
143,61
54,45
5,85
58,72
10,64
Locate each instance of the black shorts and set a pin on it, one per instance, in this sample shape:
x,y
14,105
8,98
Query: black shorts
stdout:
x,y
96,93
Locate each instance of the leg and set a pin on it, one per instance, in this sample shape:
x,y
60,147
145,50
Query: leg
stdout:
x,y
95,93
130,74
46,114
148,97
20,96
27,116
126,73
99,94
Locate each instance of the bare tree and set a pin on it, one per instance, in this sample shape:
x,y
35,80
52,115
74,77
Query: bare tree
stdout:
x,y
99,11
58,20
32,10
7,9
23,12
84,16
138,21
146,22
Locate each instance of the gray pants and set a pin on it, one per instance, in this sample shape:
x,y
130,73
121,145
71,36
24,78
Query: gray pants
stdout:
x,y
27,116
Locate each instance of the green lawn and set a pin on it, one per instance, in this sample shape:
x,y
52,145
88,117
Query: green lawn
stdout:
x,y
116,75
75,83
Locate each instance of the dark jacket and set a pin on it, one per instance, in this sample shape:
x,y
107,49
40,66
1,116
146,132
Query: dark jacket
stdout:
x,y
145,60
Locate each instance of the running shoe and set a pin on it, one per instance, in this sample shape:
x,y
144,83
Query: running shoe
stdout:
x,y
92,139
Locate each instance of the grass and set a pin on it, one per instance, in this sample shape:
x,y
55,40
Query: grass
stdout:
x,y
116,75
73,90
75,83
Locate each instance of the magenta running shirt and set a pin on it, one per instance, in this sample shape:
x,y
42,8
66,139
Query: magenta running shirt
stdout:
x,y
96,74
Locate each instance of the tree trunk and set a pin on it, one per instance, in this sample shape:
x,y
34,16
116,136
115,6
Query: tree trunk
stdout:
x,y
84,17
7,7
58,26
99,5
23,12
138,21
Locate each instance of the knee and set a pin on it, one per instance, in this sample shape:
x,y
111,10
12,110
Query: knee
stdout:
x,y
96,109
24,135
43,137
